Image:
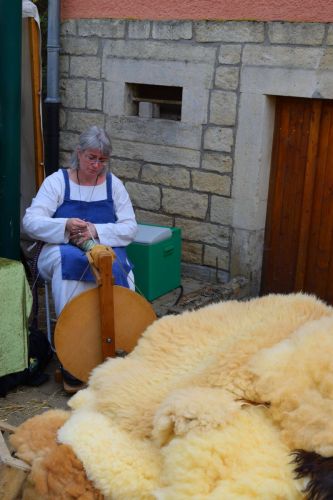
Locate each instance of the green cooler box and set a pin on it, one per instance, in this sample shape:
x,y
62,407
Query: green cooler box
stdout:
x,y
155,254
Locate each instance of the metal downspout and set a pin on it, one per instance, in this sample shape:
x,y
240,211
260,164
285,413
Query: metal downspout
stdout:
x,y
10,123
52,101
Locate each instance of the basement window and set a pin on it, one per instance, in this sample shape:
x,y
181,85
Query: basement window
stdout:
x,y
154,101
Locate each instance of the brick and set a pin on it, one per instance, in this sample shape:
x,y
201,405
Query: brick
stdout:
x,y
296,33
156,153
105,28
227,77
217,161
85,66
229,31
169,176
192,252
145,217
81,120
144,196
172,30
68,140
216,257
230,54
125,169
290,57
68,27
73,93
139,29
79,46
184,203
218,139
94,95
174,51
221,210
213,234
223,107
211,183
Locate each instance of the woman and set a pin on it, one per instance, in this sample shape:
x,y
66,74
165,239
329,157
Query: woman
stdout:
x,y
74,207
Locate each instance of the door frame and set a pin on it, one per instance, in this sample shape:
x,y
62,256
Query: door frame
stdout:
x,y
253,148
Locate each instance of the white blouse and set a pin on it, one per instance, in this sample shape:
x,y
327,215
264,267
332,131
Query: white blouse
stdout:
x,y
38,221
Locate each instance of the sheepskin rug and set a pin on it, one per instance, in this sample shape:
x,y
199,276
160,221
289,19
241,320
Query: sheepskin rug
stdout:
x,y
209,405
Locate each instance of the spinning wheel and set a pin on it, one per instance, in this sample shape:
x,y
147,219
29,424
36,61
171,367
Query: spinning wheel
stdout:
x,y
102,322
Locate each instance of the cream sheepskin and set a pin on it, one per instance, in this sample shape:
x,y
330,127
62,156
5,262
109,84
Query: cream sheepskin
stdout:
x,y
210,404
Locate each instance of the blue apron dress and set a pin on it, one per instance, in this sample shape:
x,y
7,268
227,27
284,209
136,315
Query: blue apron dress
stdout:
x,y
74,263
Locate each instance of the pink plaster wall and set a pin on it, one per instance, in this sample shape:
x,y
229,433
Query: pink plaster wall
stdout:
x,y
261,10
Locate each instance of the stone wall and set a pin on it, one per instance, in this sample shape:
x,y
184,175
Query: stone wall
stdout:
x,y
209,172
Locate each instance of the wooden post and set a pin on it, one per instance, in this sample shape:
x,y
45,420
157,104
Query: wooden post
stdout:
x,y
107,306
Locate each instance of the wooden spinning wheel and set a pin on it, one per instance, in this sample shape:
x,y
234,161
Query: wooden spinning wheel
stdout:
x,y
102,322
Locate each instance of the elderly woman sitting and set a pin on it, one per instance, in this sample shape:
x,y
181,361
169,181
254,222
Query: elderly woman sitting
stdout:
x,y
75,207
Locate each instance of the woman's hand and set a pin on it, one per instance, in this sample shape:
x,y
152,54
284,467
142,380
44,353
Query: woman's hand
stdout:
x,y
80,231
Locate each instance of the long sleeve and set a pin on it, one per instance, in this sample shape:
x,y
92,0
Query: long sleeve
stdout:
x,y
38,221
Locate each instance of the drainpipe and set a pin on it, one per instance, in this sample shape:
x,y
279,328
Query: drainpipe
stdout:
x,y
10,123
52,101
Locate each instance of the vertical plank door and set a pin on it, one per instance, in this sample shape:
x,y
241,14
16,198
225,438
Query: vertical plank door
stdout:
x,y
298,249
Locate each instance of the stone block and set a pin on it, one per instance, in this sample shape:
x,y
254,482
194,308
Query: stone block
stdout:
x,y
168,176
329,39
218,139
230,54
64,158
81,120
73,93
246,256
212,234
68,140
63,65
217,161
146,217
62,119
105,28
94,95
216,257
184,203
280,81
289,57
125,169
144,196
227,77
68,27
85,66
172,30
138,29
221,210
192,252
79,46
223,107
296,33
160,51
164,155
211,183
169,73
164,132
229,31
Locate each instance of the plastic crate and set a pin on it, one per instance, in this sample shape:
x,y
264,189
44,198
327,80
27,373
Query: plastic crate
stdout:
x,y
157,265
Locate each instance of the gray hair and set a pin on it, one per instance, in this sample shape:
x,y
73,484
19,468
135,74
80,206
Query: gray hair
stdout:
x,y
92,138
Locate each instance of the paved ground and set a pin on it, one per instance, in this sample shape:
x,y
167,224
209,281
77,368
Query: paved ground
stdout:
x,y
25,402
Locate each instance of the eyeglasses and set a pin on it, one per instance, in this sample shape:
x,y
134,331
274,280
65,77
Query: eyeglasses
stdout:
x,y
94,159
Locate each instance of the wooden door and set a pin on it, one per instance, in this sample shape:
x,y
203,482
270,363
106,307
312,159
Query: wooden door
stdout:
x,y
298,249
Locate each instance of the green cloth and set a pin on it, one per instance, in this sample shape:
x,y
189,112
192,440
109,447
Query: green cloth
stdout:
x,y
15,307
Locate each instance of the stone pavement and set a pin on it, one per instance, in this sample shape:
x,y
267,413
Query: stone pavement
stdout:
x,y
25,402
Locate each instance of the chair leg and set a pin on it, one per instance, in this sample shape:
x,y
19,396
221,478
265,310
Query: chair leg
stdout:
x,y
47,312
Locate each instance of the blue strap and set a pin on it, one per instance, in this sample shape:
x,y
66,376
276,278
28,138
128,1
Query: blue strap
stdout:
x,y
67,188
